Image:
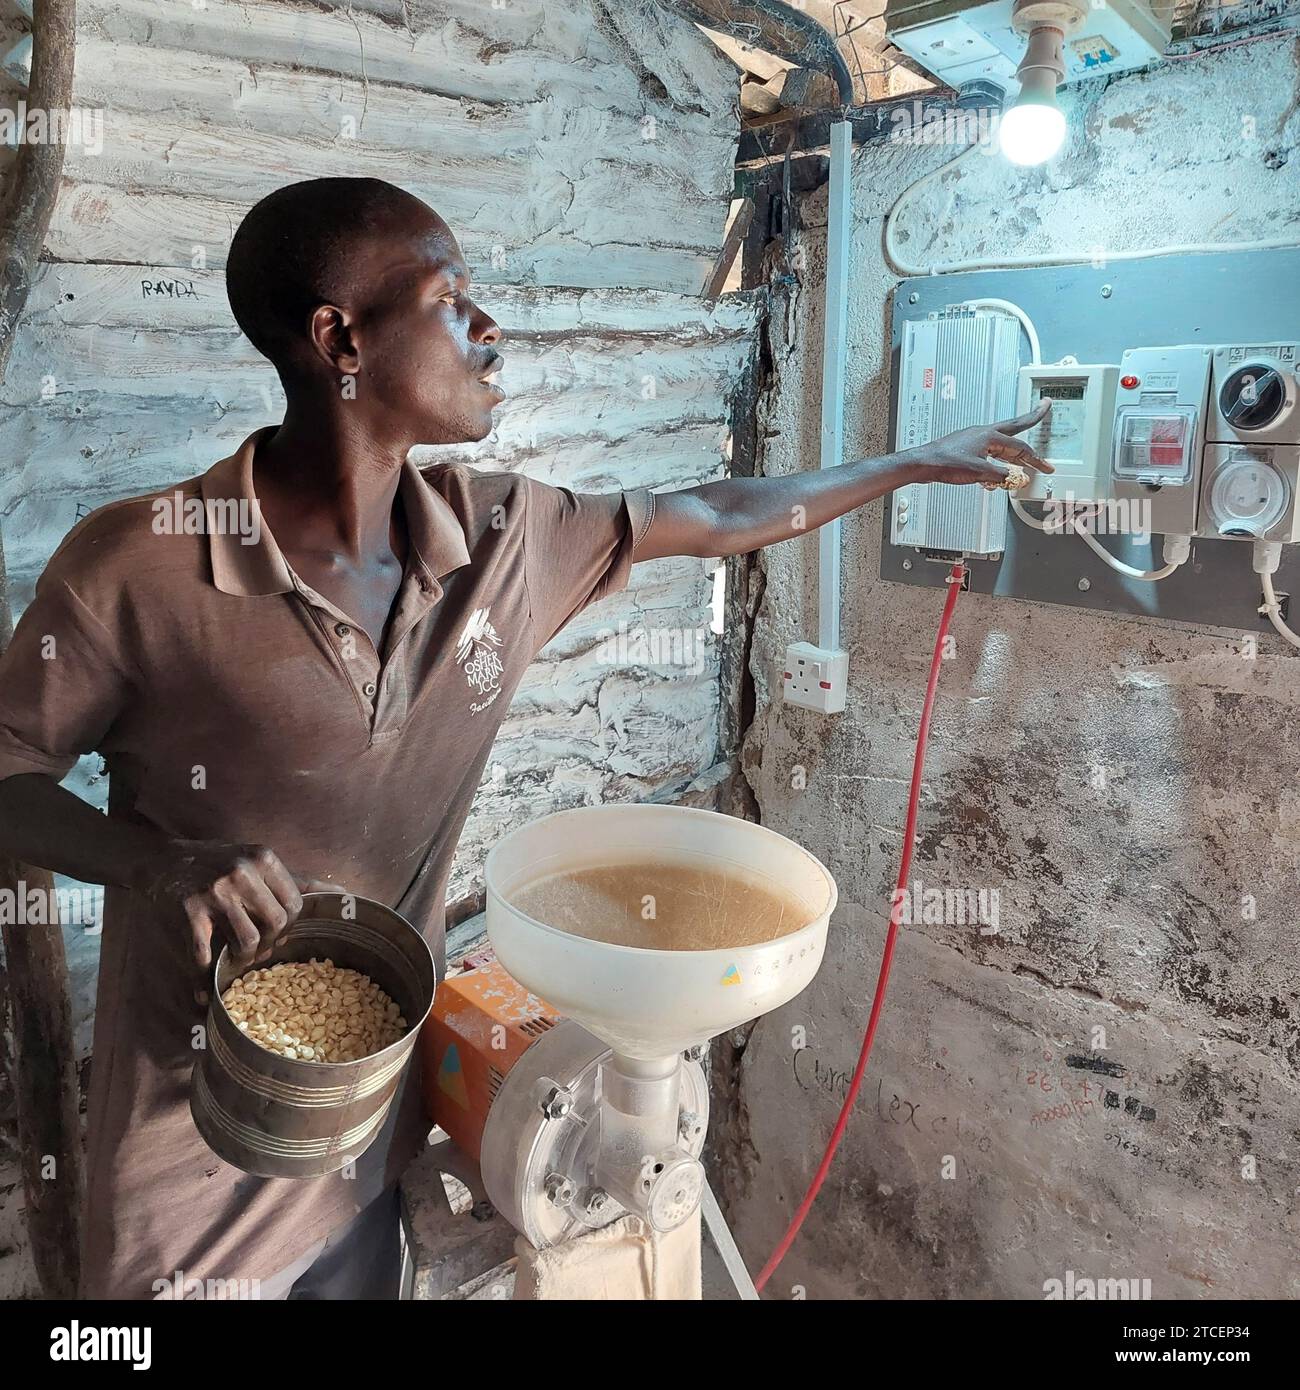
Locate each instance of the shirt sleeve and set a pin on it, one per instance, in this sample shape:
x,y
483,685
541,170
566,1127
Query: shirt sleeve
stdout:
x,y
61,686
577,549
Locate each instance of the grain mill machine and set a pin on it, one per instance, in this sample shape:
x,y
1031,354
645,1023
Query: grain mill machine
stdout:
x,y
571,1067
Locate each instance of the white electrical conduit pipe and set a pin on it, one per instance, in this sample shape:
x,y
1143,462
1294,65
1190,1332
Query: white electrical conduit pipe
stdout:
x,y
834,350
904,270
726,1245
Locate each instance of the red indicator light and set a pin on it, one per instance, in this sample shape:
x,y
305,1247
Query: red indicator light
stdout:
x,y
1129,383
787,675
825,685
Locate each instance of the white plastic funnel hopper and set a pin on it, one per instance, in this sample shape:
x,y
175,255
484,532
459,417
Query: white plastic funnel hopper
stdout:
x,y
649,1004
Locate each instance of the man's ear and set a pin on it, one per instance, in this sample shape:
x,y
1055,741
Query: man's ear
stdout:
x,y
332,340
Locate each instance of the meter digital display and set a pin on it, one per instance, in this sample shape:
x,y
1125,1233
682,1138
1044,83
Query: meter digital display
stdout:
x,y
1061,390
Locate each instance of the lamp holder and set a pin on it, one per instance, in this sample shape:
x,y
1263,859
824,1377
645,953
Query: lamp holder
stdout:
x,y
1045,24
1069,16
1042,69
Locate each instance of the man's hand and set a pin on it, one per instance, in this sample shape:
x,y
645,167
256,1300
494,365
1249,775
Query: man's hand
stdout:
x,y
241,893
980,454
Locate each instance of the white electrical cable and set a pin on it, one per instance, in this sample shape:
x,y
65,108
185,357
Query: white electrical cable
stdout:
x,y
1130,570
892,258
1103,257
1273,609
1020,510
1016,312
1087,537
1266,558
1098,255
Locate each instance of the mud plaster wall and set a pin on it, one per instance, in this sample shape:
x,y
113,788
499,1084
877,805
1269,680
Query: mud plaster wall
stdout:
x,y
1123,784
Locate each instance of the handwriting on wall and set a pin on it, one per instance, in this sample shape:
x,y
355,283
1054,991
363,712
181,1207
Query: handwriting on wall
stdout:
x,y
812,1074
1073,1096
168,289
1111,1099
1082,1095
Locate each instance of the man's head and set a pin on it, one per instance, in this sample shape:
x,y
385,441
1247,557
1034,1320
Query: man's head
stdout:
x,y
357,291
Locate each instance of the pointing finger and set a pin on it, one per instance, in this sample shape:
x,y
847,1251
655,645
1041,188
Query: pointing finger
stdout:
x,y
1026,422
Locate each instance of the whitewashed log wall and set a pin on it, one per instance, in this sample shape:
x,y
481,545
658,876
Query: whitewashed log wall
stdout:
x,y
582,152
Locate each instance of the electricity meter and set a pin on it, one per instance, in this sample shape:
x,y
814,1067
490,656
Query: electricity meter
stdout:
x,y
1075,437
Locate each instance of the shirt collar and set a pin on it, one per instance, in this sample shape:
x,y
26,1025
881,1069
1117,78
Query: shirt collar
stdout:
x,y
436,537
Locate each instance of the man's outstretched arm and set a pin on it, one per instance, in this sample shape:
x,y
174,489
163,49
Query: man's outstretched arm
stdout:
x,y
737,515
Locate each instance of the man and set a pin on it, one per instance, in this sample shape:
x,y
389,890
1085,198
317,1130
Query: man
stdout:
x,y
311,697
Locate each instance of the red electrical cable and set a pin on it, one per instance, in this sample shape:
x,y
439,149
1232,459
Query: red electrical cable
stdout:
x,y
955,578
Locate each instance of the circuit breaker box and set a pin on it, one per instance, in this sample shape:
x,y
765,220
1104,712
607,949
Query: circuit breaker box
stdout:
x,y
961,41
1158,435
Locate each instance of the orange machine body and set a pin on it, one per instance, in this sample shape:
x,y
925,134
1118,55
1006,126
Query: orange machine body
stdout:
x,y
481,1024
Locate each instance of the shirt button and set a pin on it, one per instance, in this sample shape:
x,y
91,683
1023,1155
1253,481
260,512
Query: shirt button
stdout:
x,y
368,690
342,629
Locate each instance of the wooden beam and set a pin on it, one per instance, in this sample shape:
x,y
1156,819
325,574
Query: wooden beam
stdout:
x,y
45,1072
876,121
35,178
731,244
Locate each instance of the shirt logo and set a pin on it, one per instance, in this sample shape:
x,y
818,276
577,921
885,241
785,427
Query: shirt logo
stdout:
x,y
476,652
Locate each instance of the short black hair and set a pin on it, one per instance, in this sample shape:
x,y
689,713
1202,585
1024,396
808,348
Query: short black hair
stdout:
x,y
291,253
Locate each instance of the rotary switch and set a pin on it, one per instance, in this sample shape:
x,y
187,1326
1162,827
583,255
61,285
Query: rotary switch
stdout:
x,y
1252,397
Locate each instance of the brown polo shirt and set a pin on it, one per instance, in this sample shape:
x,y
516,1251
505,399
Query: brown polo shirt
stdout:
x,y
232,702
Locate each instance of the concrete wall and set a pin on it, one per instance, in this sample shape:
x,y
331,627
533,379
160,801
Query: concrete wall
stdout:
x,y
1124,785
583,153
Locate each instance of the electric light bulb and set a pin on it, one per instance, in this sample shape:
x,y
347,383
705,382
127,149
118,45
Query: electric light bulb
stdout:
x,y
1031,132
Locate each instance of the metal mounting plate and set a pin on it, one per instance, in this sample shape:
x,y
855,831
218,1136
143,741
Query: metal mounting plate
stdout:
x,y
1093,314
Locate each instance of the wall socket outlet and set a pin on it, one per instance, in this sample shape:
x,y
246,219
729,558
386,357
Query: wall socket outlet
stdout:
x,y
815,677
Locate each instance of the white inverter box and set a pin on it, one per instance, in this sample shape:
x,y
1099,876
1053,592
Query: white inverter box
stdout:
x,y
956,369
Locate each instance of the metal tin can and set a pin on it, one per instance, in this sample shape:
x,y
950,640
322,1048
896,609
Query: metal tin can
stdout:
x,y
281,1117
